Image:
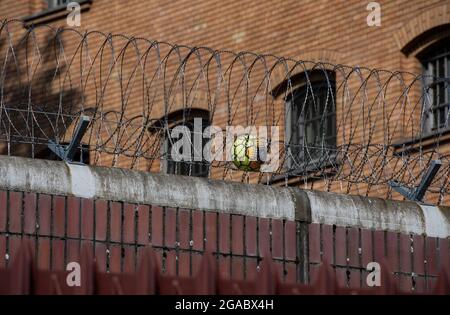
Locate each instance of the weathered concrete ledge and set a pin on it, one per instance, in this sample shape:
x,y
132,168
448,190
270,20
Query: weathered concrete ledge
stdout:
x,y
59,178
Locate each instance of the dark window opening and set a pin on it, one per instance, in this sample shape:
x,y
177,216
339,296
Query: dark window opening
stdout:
x,y
192,167
57,3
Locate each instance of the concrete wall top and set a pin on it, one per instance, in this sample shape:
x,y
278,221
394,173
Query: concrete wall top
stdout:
x,y
59,178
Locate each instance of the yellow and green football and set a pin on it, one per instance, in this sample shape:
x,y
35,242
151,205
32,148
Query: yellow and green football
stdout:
x,y
245,153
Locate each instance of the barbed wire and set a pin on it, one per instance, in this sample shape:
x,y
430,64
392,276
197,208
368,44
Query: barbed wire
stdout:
x,y
343,128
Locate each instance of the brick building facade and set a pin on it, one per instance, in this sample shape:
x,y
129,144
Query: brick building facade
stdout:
x,y
319,31
61,207
307,30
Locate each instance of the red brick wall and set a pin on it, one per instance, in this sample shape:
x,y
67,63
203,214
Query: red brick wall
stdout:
x,y
59,225
335,31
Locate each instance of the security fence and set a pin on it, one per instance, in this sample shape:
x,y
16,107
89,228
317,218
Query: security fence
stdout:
x,y
340,128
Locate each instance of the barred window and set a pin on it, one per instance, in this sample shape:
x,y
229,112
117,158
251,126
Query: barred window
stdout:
x,y
196,121
311,130
436,101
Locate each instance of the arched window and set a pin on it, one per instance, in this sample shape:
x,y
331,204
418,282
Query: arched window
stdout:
x,y
311,121
436,102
